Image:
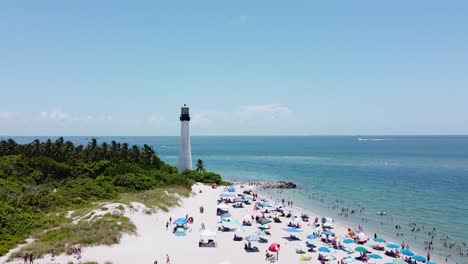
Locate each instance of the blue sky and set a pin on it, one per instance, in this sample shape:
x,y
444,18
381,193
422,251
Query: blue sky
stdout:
x,y
244,67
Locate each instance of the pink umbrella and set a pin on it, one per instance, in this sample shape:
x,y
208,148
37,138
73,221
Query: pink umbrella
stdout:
x,y
274,247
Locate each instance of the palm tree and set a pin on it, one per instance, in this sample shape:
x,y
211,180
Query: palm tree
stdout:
x,y
200,166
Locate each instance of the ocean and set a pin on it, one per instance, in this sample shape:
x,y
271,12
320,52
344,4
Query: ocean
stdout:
x,y
413,179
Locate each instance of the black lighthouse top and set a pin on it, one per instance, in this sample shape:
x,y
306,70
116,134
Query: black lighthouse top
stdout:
x,y
184,113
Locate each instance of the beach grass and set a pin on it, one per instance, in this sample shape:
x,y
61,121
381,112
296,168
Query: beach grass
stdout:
x,y
106,229
162,198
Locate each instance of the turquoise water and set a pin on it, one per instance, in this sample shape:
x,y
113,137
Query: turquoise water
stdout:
x,y
421,179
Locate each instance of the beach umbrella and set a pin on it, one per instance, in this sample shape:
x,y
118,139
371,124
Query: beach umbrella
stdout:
x,y
247,218
363,237
348,250
328,233
318,229
265,226
180,232
348,241
399,261
407,252
379,240
292,230
247,197
375,256
223,206
225,215
391,245
274,247
431,262
231,188
330,257
361,249
419,258
324,249
261,233
227,195
180,221
238,200
349,259
230,223
263,221
311,241
252,238
305,257
311,237
208,234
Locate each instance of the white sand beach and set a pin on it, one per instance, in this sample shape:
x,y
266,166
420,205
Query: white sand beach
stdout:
x,y
153,241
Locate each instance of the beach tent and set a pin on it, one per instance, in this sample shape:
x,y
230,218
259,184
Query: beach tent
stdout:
x,y
180,221
274,247
305,257
223,206
180,231
263,221
208,234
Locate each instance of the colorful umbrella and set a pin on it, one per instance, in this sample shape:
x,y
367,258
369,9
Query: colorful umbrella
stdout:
x,y
375,256
324,249
180,221
274,247
379,240
361,249
292,230
391,245
419,258
407,252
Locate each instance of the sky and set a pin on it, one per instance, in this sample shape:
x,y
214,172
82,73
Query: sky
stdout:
x,y
244,67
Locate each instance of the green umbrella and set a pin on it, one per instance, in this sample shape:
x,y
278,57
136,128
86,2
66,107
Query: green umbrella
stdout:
x,y
361,249
263,221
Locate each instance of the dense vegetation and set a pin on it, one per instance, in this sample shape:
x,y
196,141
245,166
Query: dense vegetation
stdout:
x,y
39,179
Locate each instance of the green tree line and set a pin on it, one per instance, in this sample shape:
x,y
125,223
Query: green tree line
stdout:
x,y
39,179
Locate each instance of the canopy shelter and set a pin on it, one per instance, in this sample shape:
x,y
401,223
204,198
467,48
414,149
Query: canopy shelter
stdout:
x,y
180,221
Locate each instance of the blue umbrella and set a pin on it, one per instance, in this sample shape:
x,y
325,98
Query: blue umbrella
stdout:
x,y
180,221
252,238
348,249
226,215
419,258
393,245
231,188
379,239
261,233
247,197
228,195
311,241
375,256
431,262
180,232
348,241
407,252
348,259
324,249
328,233
292,230
311,237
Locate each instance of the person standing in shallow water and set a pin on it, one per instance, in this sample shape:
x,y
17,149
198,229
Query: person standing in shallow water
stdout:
x,y
31,259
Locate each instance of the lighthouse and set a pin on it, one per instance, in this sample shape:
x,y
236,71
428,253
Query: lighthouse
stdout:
x,y
185,152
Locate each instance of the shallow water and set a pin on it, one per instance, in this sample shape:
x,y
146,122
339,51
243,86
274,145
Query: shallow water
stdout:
x,y
421,179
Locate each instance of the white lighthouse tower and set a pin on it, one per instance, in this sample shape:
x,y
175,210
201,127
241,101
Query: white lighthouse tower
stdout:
x,y
185,153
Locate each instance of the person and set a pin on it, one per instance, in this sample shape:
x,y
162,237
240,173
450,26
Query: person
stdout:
x,y
31,259
168,260
26,258
52,253
167,225
267,254
428,257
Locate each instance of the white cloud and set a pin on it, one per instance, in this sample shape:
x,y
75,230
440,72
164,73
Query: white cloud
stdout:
x,y
255,115
6,115
55,115
154,120
240,20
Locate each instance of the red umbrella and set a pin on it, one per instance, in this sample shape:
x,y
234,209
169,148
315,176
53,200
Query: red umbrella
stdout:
x,y
274,247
